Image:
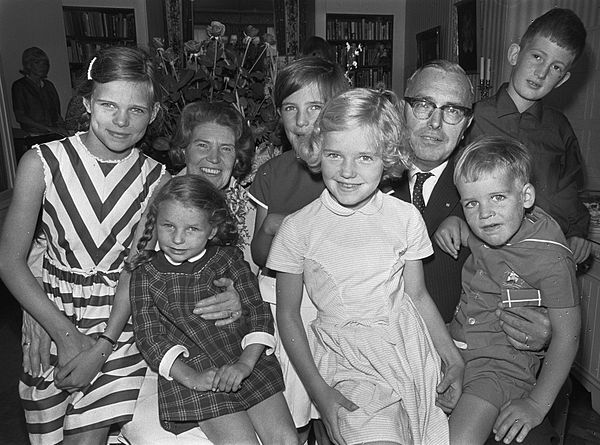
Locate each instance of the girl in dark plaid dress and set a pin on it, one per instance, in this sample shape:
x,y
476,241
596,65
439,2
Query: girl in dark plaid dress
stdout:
x,y
223,379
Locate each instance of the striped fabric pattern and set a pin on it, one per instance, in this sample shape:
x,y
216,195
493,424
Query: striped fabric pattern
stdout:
x,y
90,211
368,341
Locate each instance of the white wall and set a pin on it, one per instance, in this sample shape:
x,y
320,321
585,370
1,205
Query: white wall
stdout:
x,y
26,23
384,7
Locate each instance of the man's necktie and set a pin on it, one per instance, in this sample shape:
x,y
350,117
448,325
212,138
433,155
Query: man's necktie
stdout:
x,y
417,198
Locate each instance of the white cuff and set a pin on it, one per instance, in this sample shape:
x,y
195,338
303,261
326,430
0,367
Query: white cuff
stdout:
x,y
164,369
261,338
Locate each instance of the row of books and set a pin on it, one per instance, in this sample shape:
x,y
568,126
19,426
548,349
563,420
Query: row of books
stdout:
x,y
100,24
363,55
371,78
359,29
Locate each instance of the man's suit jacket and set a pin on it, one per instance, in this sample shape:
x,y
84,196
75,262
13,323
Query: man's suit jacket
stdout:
x,y
442,272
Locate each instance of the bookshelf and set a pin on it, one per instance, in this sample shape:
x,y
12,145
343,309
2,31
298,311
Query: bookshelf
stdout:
x,y
363,46
87,30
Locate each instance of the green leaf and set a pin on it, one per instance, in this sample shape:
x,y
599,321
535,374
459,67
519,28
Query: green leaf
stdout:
x,y
258,90
185,77
193,94
228,97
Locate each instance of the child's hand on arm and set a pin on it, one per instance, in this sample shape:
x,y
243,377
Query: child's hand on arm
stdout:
x,y
229,377
190,378
81,370
518,417
451,234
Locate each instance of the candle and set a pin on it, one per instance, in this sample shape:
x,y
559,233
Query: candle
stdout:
x,y
481,70
488,69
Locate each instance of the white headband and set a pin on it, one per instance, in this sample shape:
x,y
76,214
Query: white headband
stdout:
x,y
89,73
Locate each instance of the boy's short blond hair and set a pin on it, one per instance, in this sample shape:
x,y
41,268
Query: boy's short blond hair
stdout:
x,y
493,154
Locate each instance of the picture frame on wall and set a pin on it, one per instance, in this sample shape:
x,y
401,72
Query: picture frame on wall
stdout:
x,y
428,46
466,12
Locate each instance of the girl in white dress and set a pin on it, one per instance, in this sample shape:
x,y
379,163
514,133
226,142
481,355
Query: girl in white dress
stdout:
x,y
369,361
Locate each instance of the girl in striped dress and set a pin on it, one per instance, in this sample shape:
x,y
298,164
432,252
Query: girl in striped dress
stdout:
x,y
217,377
371,359
92,189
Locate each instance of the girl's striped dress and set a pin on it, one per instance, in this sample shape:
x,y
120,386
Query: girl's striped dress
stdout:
x,y
91,208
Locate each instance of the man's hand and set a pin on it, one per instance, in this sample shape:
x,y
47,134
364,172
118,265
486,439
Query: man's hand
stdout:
x,y
36,346
527,328
451,234
517,417
225,307
580,247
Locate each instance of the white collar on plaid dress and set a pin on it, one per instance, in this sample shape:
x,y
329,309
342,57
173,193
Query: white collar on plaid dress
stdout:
x,y
189,260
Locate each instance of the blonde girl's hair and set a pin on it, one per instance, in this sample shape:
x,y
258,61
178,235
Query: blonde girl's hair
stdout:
x,y
378,113
195,192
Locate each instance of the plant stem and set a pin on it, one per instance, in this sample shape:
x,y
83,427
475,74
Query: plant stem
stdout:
x,y
237,78
258,58
212,86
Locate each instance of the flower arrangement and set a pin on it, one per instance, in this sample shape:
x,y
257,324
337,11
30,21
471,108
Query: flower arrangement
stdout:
x,y
215,69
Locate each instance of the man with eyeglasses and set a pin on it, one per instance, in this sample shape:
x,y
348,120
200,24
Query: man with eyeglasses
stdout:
x,y
438,110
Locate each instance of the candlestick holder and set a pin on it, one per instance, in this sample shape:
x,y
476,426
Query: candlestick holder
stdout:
x,y
484,88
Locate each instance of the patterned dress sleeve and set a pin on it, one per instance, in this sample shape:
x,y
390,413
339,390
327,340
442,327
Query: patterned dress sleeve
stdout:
x,y
150,333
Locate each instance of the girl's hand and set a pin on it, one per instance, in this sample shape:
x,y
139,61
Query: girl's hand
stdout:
x,y
79,371
36,346
451,234
329,404
450,388
71,344
202,380
517,417
229,378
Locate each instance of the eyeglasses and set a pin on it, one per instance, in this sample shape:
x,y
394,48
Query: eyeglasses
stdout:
x,y
451,114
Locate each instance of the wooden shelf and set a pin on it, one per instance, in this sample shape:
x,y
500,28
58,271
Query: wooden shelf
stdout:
x,y
89,29
363,46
